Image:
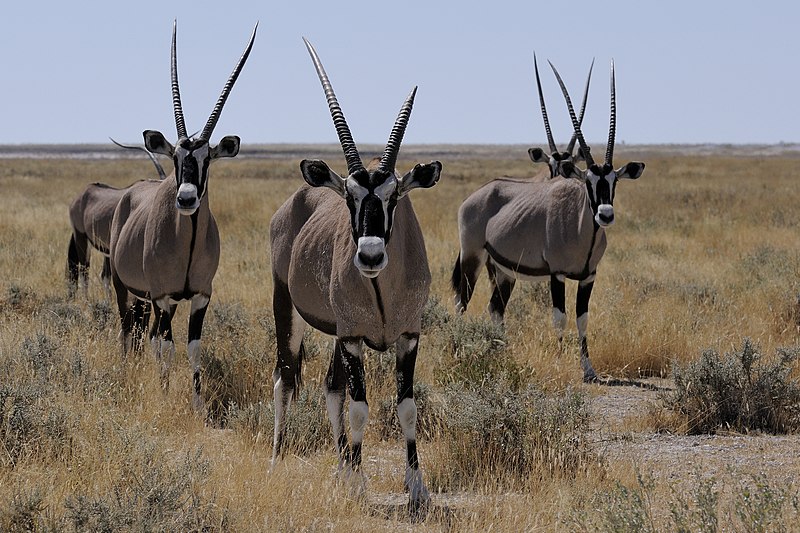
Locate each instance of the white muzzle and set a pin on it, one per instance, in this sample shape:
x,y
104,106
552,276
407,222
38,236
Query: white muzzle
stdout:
x,y
371,256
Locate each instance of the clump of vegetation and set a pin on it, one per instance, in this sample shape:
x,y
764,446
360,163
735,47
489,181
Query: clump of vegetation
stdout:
x,y
475,353
25,512
31,424
435,315
756,505
739,391
494,434
151,495
307,426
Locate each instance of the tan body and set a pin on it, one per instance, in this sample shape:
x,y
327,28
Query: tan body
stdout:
x,y
497,220
312,252
90,215
153,263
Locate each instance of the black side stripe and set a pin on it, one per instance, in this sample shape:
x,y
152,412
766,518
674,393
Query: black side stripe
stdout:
x,y
379,300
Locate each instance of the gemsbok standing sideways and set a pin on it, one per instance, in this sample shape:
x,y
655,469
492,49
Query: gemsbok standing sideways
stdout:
x,y
555,158
534,231
164,240
90,216
348,258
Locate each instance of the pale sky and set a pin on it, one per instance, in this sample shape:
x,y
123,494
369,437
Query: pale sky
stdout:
x,y
687,72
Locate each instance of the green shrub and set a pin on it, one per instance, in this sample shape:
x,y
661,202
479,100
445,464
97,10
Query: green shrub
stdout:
x,y
738,391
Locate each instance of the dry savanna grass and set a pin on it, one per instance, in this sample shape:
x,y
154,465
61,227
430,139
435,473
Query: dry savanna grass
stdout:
x,y
705,252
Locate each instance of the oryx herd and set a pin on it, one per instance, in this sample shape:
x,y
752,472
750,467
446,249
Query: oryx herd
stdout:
x,y
347,253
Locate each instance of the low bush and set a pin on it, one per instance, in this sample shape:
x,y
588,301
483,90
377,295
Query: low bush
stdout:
x,y
739,391
495,435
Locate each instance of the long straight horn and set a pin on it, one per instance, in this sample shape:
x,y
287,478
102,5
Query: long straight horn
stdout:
x,y
176,92
575,125
612,128
342,130
547,130
389,159
212,120
571,144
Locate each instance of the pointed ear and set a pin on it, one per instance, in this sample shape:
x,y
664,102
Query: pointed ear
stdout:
x,y
155,142
568,169
421,176
630,171
537,155
317,174
228,147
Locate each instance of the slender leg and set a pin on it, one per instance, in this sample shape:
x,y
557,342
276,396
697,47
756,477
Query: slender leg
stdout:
x,y
503,286
559,307
105,275
77,262
582,312
407,414
335,382
465,275
289,329
162,342
126,315
353,364
198,313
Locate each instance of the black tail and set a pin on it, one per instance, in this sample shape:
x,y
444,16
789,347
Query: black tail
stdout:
x,y
455,280
77,260
298,377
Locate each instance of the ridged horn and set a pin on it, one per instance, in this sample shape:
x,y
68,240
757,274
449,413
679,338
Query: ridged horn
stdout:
x,y
389,159
612,128
342,130
571,144
151,155
176,92
575,125
550,141
215,114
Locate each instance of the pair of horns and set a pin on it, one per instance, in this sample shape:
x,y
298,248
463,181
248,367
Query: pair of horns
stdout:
x,y
389,158
550,141
226,90
576,124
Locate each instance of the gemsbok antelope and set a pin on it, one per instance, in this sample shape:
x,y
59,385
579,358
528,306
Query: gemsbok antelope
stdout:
x,y
90,216
164,240
348,258
555,158
532,231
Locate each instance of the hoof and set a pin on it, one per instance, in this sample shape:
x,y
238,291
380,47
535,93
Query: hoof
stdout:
x,y
590,377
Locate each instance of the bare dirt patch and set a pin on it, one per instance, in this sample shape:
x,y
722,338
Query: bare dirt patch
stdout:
x,y
617,414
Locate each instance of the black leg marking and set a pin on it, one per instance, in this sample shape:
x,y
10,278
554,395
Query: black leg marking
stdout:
x,y
353,365
77,260
288,365
195,331
582,300
503,286
126,315
405,362
557,293
141,317
582,312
